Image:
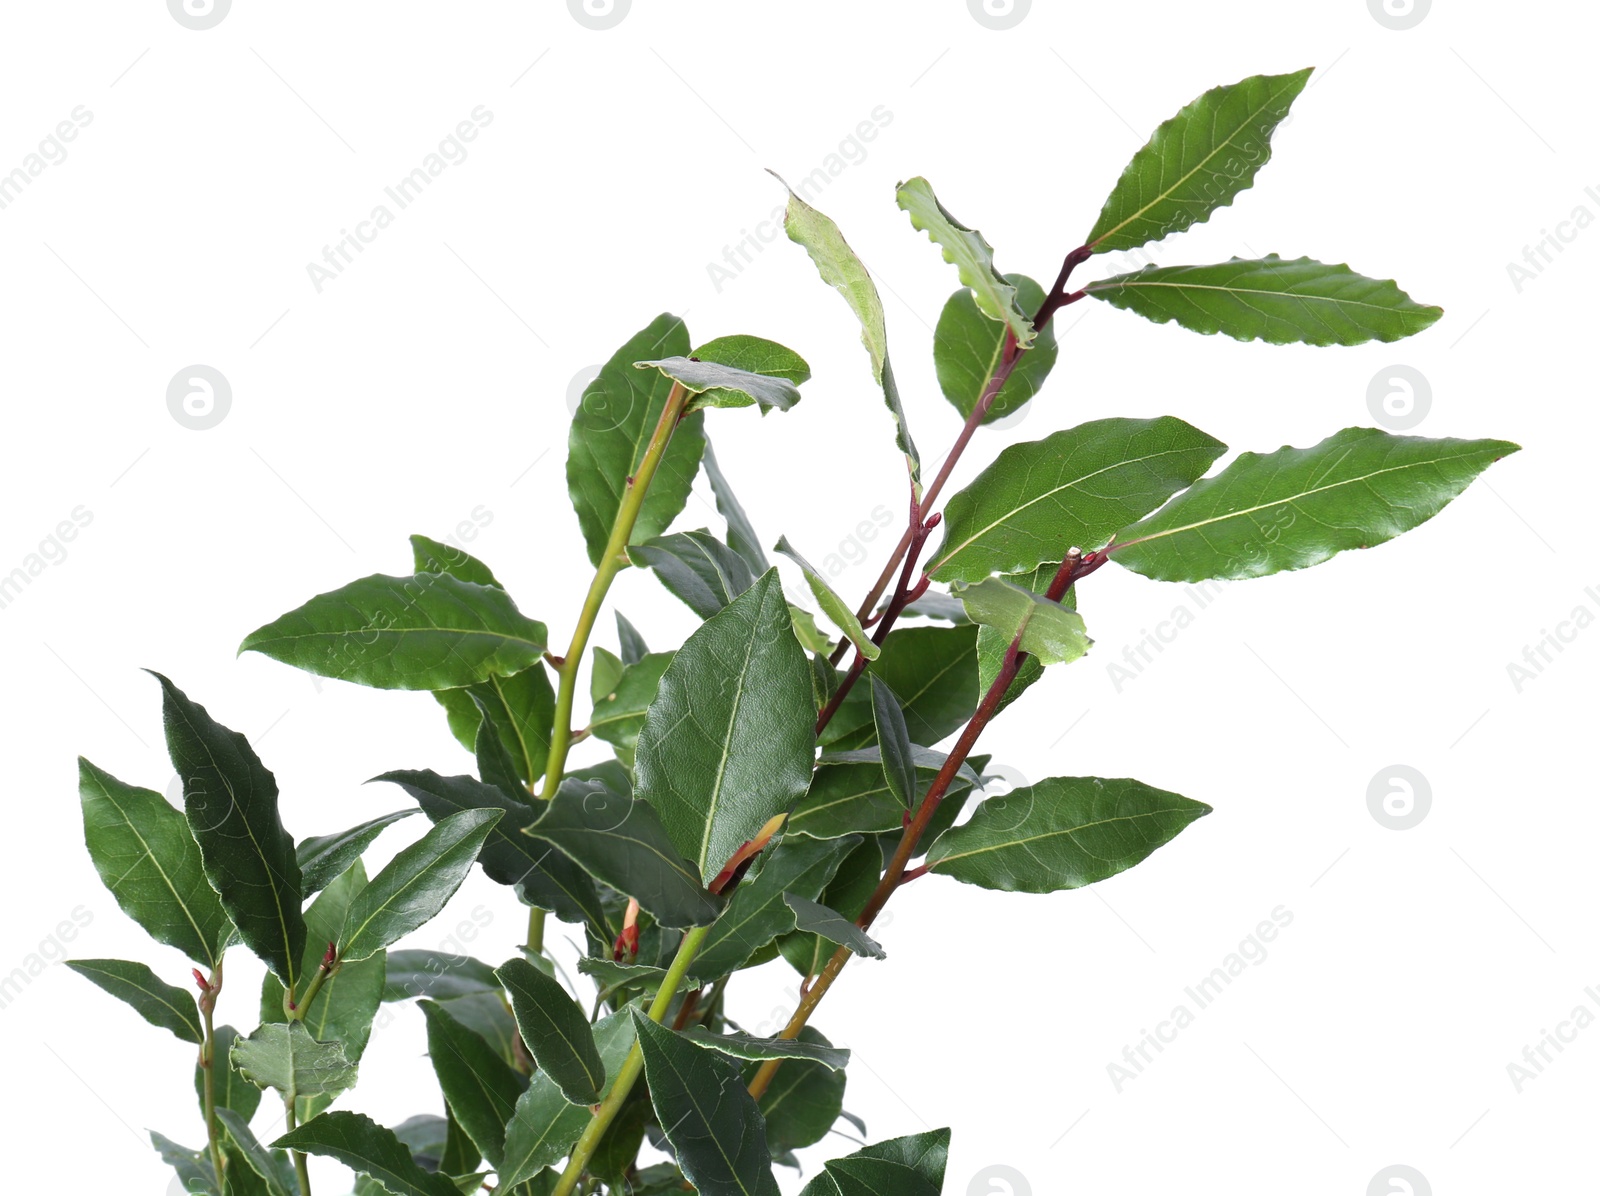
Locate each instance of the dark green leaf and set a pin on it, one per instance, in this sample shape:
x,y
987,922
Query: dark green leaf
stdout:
x,y
437,974
159,1003
850,889
744,1046
143,851
894,743
1196,162
1276,300
266,1165
461,1154
1049,630
835,607
239,1178
630,643
803,1102
368,1148
610,975
430,556
496,766
714,1125
555,1031
715,385
324,857
909,1166
193,1167
428,631
611,430
415,884
618,716
604,673
1063,833
622,842
231,803
850,793
522,707
1297,507
742,537
488,1016
967,347
933,670
831,925
727,744
757,356
1073,488
697,567
757,913
284,1056
480,1088
229,1089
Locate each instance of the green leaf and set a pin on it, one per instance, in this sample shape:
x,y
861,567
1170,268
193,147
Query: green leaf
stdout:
x,y
414,886
742,536
1196,162
231,803
522,708
1063,833
229,1090
1049,630
428,631
894,743
264,1163
143,851
757,356
496,767
611,430
368,1148
543,877
479,1087
831,925
621,841
193,1167
611,976
727,744
850,793
1073,488
803,1102
714,1125
909,1166
745,1046
159,1003
618,716
487,1015
835,607
324,857
972,256
715,385
555,1031
431,556
757,913
842,270
697,567
284,1056
993,644
437,974
933,670
1279,301
850,889
813,640
630,643
968,345
1294,508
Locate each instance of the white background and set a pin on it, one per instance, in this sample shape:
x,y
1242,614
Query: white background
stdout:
x,y
431,378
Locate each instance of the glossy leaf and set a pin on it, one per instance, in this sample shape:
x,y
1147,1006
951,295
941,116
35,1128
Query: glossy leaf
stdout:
x,y
619,715
193,1166
437,974
1196,162
611,430
1073,488
480,1088
894,743
522,708
143,851
496,767
727,743
697,567
1062,833
621,841
933,671
803,1101
431,556
716,1130
741,536
968,345
1272,299
831,925
555,1031
972,256
630,643
427,631
850,889
745,1046
284,1056
229,1090
835,607
611,976
368,1148
414,886
266,1165
1294,508
909,1166
1049,630
161,1004
231,803
715,385
850,793
324,857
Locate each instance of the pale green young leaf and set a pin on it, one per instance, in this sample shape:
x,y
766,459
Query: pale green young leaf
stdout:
x,y
835,607
1049,630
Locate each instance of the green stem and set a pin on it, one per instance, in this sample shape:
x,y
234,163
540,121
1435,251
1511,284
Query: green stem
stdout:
x,y
612,560
535,930
300,1171
631,1067
297,1010
208,1056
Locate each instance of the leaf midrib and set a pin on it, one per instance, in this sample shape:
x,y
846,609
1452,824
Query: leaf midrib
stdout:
x,y
1130,284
